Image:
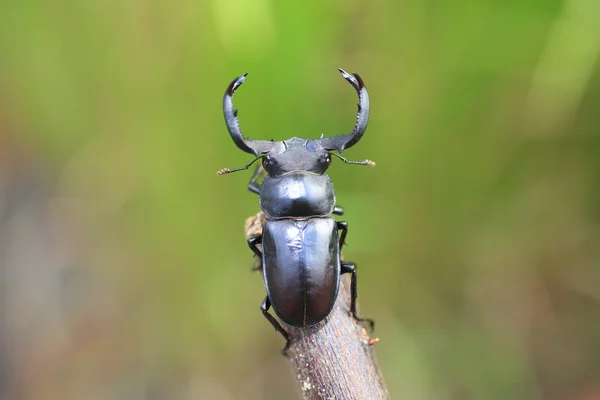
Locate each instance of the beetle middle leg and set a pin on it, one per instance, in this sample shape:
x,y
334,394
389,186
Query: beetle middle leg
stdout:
x,y
349,267
253,243
342,226
264,307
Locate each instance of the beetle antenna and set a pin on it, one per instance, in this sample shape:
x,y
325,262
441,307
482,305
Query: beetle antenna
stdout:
x,y
225,171
368,163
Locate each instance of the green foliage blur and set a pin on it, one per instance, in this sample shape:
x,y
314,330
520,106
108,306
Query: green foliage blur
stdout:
x,y
477,235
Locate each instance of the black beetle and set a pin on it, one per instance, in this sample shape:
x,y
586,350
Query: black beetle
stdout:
x,y
300,242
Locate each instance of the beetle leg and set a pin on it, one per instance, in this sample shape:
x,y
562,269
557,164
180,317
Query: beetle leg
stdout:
x,y
343,226
252,243
338,210
253,185
264,307
351,268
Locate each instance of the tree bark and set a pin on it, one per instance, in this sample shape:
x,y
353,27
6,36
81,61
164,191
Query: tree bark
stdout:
x,y
334,359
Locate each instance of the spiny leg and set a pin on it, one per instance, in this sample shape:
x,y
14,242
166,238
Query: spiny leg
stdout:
x,y
253,243
253,185
349,267
264,307
343,226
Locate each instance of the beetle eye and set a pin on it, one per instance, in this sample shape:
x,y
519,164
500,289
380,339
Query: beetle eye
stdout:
x,y
268,162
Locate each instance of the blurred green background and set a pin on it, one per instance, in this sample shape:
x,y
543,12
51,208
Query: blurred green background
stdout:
x,y
124,272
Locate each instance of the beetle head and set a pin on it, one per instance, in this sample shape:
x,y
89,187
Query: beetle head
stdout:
x,y
297,154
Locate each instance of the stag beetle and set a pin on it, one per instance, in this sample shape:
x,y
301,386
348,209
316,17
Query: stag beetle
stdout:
x,y
300,242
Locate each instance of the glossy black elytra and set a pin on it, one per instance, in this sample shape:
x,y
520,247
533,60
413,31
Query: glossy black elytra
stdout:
x,y
300,241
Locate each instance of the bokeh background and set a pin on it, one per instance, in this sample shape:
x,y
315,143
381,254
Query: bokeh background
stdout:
x,y
124,272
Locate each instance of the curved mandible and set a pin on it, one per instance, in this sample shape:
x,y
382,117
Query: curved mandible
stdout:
x,y
342,142
256,147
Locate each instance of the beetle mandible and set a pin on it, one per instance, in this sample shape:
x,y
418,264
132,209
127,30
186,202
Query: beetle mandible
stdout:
x,y
300,255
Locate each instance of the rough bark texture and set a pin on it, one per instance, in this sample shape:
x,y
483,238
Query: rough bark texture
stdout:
x,y
334,359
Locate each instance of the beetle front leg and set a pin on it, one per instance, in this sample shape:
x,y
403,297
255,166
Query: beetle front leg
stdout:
x,y
343,226
338,210
264,307
253,185
351,268
253,243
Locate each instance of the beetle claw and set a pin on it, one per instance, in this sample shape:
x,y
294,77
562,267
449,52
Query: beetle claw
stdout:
x,y
369,322
257,268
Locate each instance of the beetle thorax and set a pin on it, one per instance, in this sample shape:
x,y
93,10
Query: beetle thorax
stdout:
x,y
297,194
